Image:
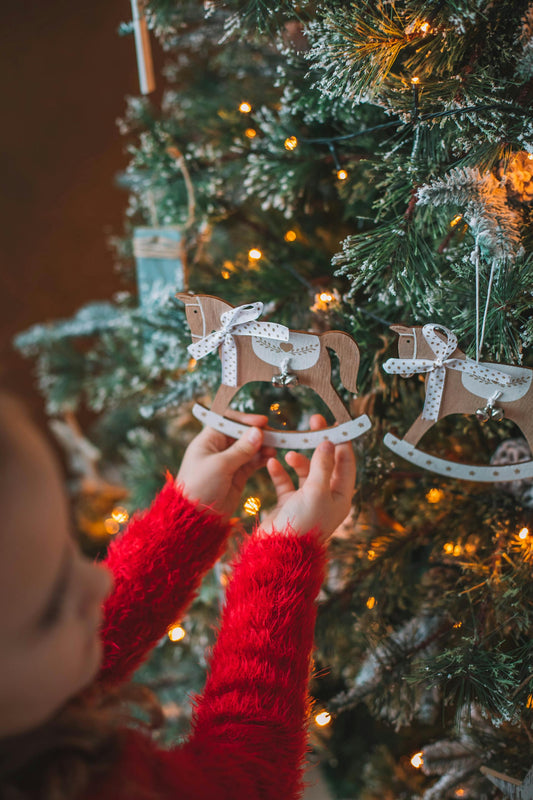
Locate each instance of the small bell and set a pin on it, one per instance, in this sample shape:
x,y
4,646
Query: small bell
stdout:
x,y
285,378
496,414
483,414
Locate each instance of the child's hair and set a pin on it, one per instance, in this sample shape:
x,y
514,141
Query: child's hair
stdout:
x,y
59,759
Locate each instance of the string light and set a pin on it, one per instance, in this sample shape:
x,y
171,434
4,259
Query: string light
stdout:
x,y
252,505
530,156
226,274
254,254
434,495
424,27
245,107
371,602
524,533
251,133
176,633
448,548
291,143
274,407
342,174
111,526
323,718
191,366
459,792
371,555
456,220
415,81
417,760
120,515
290,236
457,624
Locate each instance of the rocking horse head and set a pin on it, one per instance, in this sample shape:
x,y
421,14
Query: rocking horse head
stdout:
x,y
412,343
202,312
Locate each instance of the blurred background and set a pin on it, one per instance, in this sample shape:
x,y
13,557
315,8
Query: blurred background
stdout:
x,y
67,72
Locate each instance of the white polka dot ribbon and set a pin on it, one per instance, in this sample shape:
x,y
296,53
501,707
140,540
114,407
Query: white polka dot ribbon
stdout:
x,y
437,368
240,321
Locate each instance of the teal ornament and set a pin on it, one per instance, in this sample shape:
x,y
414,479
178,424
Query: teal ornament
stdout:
x,y
512,788
158,261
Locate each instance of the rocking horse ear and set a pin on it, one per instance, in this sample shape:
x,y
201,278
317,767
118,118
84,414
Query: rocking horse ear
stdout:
x,y
184,296
400,329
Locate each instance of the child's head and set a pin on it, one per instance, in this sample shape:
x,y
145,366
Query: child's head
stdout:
x,y
50,594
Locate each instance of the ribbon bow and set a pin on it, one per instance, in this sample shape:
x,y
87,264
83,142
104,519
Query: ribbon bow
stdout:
x,y
437,368
239,321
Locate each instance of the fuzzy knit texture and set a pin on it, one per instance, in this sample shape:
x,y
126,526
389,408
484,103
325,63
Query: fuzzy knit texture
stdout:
x,y
248,737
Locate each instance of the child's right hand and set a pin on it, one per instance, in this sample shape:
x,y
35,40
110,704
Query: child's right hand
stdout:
x,y
326,486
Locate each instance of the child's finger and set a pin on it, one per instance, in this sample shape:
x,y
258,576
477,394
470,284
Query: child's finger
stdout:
x,y
322,464
253,420
317,422
241,451
280,478
343,478
299,463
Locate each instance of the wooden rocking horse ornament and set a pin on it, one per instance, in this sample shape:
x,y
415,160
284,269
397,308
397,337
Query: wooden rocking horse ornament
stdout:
x,y
456,384
265,351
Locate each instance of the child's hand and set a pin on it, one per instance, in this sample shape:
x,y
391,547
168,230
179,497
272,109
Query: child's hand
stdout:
x,y
215,467
326,486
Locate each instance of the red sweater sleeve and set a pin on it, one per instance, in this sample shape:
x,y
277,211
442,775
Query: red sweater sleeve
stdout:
x,y
249,727
157,565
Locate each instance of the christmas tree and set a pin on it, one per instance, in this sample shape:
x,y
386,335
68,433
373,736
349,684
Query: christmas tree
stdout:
x,y
353,166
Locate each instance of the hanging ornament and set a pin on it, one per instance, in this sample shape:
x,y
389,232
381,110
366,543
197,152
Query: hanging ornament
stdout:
x,y
512,788
515,451
158,261
251,350
454,385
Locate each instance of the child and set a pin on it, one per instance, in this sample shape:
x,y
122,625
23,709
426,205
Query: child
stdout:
x,y
65,662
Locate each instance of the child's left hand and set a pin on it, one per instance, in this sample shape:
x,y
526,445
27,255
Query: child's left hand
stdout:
x,y
215,467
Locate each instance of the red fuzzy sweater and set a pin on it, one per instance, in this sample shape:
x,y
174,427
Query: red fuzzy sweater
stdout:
x,y
248,736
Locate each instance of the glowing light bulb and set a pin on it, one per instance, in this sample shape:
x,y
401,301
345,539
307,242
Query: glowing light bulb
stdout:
x,y
342,174
254,254
245,107
274,407
456,220
417,760
290,236
424,27
191,365
325,297
434,495
459,792
291,143
226,274
120,514
524,533
530,156
448,548
176,633
415,81
457,624
111,526
252,505
371,602
324,718
371,555
251,133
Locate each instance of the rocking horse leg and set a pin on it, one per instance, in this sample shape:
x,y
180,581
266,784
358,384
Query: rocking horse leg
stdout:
x,y
417,430
334,403
223,398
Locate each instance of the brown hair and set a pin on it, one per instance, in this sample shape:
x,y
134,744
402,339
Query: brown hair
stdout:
x,y
83,741
62,758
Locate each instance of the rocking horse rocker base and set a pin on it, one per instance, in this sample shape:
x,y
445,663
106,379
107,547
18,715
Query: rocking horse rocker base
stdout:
x,y
290,440
452,469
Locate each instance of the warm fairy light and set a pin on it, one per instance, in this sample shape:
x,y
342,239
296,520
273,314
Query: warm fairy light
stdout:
x,y
456,220
342,174
325,297
424,27
371,555
417,760
226,274
251,133
111,526
191,365
434,495
120,515
371,602
530,156
324,718
254,254
524,533
459,792
457,624
245,107
457,550
274,407
291,143
290,236
529,701
448,548
415,81
176,633
252,505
